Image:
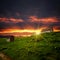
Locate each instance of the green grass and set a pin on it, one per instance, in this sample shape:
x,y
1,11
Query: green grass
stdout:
x,y
42,47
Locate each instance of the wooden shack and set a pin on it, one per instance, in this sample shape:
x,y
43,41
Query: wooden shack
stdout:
x,y
11,38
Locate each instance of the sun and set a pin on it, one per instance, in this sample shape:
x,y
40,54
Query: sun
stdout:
x,y
37,33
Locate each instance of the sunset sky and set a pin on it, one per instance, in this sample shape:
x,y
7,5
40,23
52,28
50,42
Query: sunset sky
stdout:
x,y
29,15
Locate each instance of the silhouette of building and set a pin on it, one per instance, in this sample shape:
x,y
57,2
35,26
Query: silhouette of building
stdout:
x,y
11,38
48,29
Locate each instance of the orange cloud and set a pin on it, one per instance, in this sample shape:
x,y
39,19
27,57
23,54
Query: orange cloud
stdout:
x,y
16,20
33,19
44,20
4,19
7,20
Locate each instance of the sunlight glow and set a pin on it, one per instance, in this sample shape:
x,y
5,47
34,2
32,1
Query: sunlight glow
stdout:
x,y
37,33
25,32
21,31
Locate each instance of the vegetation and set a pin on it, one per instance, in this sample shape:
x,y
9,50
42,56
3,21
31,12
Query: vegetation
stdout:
x,y
45,46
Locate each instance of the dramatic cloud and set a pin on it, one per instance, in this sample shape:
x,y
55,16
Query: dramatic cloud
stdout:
x,y
31,23
13,20
43,20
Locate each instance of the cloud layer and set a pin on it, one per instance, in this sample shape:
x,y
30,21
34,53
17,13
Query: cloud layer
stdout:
x,y
13,20
31,23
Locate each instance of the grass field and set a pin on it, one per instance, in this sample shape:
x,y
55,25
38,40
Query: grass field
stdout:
x,y
45,46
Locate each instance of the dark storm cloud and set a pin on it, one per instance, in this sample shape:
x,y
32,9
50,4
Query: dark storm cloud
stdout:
x,y
23,9
41,8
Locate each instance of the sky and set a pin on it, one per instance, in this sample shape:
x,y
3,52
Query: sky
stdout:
x,y
29,14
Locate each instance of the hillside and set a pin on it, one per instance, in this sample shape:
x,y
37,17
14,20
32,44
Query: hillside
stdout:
x,y
45,46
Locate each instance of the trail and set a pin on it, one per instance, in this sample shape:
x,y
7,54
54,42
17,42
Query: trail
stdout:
x,y
4,57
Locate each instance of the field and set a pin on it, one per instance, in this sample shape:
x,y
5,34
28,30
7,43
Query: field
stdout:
x,y
45,46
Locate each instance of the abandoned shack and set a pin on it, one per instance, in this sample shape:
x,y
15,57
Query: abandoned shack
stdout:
x,y
11,38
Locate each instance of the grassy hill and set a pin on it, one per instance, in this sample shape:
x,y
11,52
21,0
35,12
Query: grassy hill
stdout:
x,y
45,46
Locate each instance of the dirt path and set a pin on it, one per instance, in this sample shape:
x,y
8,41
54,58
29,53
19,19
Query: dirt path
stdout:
x,y
4,57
